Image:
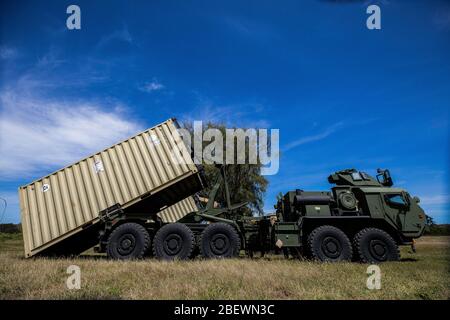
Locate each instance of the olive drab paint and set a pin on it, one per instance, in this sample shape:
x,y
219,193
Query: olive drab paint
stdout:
x,y
357,201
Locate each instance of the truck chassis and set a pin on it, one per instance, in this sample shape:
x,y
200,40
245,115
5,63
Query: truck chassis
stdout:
x,y
223,232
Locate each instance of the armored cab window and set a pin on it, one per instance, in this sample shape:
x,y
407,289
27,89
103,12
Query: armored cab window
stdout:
x,y
396,199
365,176
356,176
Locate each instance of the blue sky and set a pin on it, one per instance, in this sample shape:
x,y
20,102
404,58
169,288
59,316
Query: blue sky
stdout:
x,y
341,95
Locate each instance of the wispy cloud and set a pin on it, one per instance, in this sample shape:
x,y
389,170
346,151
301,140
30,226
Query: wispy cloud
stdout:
x,y
442,18
304,180
50,60
244,115
122,35
152,86
315,137
7,53
440,199
49,70
252,29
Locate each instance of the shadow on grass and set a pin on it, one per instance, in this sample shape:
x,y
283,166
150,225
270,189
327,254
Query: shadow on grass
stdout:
x,y
92,257
408,260
152,258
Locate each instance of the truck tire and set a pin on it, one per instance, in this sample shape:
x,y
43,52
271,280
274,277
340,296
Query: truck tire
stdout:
x,y
374,245
128,241
174,241
219,240
329,244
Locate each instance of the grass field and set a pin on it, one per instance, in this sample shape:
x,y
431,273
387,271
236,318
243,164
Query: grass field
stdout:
x,y
424,275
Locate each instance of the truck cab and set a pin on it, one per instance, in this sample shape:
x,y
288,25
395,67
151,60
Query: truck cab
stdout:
x,y
358,206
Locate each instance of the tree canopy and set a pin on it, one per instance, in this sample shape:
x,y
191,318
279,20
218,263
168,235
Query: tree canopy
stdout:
x,y
246,184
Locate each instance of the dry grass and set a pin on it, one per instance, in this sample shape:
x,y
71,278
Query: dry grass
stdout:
x,y
424,275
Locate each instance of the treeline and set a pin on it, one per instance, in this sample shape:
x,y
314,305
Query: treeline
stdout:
x,y
10,228
438,230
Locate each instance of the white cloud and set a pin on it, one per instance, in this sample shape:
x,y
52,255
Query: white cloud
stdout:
x,y
38,135
312,138
152,86
439,199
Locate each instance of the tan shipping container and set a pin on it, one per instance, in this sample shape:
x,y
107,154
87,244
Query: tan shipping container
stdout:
x,y
178,210
139,174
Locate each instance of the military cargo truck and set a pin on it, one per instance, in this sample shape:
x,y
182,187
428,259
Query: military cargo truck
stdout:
x,y
362,218
136,199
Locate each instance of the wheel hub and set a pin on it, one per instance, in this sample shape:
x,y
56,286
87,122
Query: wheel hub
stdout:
x,y
331,247
220,244
173,244
127,243
378,250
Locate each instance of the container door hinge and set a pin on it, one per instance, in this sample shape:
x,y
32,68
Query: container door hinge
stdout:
x,y
111,213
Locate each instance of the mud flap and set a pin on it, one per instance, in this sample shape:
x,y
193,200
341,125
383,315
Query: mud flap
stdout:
x,y
413,246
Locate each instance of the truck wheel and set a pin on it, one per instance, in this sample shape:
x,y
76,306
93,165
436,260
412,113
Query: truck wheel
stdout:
x,y
128,241
329,244
219,240
174,241
374,246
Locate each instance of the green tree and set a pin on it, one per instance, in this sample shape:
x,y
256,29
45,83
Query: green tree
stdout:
x,y
246,184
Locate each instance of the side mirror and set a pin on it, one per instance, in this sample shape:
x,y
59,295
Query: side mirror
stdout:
x,y
386,177
416,199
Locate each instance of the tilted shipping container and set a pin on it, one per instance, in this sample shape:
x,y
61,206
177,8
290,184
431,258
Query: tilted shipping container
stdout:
x,y
142,174
178,210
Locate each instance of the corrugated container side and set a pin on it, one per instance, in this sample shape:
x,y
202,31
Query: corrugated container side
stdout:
x,y
178,210
72,197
